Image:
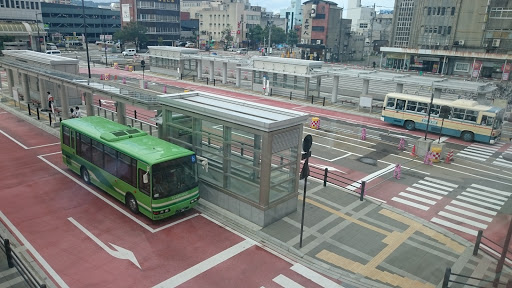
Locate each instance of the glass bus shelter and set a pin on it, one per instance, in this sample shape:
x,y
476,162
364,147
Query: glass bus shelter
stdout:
x,y
253,151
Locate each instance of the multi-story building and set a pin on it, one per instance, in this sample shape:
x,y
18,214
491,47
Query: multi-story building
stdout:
x,y
22,21
452,36
292,14
361,16
160,17
67,20
321,30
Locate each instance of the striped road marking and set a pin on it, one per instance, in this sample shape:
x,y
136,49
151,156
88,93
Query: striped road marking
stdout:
x,y
286,282
424,193
313,276
476,208
463,220
420,199
409,203
467,213
454,226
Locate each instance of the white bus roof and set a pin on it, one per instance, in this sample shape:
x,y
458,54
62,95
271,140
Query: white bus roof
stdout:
x,y
461,103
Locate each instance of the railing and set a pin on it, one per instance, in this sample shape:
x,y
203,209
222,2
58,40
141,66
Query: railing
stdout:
x,y
14,261
134,121
447,280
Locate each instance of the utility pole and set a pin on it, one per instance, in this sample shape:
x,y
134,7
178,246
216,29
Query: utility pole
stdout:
x,y
38,47
270,36
370,32
104,40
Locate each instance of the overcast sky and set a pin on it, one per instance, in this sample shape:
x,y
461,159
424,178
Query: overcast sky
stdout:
x,y
276,5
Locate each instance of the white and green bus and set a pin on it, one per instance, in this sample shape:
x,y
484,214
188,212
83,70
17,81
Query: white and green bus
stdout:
x,y
149,175
465,118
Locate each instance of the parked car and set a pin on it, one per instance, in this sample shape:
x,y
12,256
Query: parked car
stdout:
x,y
190,45
241,51
53,52
51,46
129,52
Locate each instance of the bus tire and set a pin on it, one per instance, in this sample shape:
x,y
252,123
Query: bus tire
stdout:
x,y
409,125
85,175
132,204
467,136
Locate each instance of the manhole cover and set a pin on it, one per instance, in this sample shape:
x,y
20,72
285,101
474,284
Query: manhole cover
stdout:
x,y
368,160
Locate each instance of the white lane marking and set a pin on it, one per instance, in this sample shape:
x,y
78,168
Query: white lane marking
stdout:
x,y
314,276
3,112
441,182
454,226
478,202
472,207
486,194
424,193
286,282
117,252
482,198
332,148
45,145
502,162
414,197
341,157
34,252
205,265
430,189
492,190
467,213
370,177
13,140
348,143
174,223
463,220
400,200
479,151
435,185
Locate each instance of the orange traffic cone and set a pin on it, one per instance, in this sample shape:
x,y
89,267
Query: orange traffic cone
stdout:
x,y
413,152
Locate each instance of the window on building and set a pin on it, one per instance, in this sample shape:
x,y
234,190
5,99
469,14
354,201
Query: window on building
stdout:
x,y
461,67
443,11
439,30
453,11
449,30
37,5
2,5
363,25
320,16
429,11
31,5
318,28
438,10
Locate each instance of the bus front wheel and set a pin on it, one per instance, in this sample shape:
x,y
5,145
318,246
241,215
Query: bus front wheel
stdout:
x,y
409,125
85,175
467,136
132,204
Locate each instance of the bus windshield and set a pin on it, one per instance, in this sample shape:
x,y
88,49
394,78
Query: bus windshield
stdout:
x,y
174,177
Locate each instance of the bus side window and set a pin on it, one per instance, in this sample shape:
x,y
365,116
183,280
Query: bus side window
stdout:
x,y
143,187
400,104
65,135
484,121
422,108
391,103
411,105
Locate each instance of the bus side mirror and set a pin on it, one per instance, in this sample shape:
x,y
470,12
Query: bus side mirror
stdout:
x,y
204,162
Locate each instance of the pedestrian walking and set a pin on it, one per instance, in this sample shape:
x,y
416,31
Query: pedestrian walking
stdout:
x,y
50,100
78,113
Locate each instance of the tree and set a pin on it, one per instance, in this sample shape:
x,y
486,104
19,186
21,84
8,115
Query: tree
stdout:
x,y
255,35
133,32
293,37
160,41
226,36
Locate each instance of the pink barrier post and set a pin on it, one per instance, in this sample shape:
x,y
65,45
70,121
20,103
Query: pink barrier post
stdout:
x,y
428,158
165,89
401,145
124,80
397,172
101,77
363,134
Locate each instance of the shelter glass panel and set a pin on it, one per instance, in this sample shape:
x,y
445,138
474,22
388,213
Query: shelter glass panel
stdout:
x,y
283,172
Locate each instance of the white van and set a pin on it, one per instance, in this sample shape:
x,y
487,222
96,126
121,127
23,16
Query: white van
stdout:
x,y
129,52
53,52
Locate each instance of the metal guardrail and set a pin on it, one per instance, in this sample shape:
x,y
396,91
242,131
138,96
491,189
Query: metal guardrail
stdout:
x,y
14,261
447,280
141,124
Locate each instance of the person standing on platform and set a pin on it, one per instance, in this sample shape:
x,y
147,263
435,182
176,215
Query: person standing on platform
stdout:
x,y
50,100
78,113
72,112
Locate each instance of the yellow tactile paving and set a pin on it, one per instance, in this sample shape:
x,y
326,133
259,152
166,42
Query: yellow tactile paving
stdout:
x,y
353,220
393,240
425,230
371,272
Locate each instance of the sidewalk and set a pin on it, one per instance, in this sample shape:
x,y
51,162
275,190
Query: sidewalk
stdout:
x,y
362,243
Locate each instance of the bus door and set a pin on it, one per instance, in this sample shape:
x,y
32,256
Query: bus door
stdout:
x,y
435,121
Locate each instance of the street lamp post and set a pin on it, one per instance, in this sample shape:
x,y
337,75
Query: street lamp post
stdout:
x,y
85,39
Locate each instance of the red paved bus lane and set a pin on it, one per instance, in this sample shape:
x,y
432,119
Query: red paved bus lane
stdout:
x,y
82,237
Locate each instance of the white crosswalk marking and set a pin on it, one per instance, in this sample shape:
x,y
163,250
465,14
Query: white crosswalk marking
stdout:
x,y
480,196
429,187
286,282
313,276
502,162
480,152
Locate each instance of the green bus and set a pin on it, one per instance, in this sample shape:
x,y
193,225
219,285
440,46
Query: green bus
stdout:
x,y
149,175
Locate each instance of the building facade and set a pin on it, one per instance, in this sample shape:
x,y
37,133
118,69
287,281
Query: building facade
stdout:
x,y
160,17
321,30
21,20
63,20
